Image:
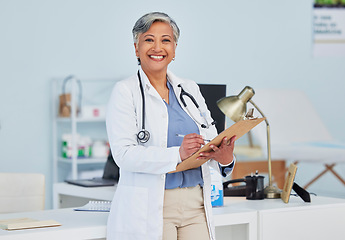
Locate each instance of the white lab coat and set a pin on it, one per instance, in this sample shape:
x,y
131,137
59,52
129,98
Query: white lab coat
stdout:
x,y
137,208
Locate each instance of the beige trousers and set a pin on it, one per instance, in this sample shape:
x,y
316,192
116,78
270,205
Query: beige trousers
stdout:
x,y
184,214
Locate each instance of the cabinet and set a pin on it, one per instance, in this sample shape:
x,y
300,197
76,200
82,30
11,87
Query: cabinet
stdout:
x,y
84,97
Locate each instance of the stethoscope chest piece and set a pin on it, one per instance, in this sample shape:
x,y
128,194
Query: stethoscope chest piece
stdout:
x,y
143,136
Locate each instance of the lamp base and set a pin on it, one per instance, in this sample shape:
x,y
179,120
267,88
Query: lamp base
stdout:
x,y
272,192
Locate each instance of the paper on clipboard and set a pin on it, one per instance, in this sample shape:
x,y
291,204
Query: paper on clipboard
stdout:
x,y
239,129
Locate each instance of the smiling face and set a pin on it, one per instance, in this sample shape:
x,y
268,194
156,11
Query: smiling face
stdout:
x,y
156,48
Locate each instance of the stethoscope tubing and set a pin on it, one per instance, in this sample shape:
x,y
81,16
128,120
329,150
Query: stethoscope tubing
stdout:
x,y
143,135
143,99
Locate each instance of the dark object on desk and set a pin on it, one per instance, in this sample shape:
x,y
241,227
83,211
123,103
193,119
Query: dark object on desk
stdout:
x,y
235,191
253,190
110,176
301,192
93,182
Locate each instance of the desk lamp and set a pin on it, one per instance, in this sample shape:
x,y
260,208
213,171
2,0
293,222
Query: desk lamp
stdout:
x,y
235,108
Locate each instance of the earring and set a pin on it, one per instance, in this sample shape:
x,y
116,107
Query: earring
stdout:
x,y
173,59
138,60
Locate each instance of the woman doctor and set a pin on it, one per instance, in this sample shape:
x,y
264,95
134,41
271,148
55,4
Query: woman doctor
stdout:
x,y
145,114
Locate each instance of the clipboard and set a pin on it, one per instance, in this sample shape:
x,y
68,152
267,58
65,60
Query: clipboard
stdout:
x,y
239,129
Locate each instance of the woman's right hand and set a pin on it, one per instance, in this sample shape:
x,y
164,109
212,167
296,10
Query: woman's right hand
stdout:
x,y
191,143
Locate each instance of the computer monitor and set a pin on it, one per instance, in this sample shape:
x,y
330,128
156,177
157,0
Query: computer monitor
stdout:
x,y
212,93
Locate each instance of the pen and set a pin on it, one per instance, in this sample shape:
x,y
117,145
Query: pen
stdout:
x,y
181,135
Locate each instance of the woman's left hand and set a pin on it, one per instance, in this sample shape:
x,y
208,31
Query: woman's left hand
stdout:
x,y
222,154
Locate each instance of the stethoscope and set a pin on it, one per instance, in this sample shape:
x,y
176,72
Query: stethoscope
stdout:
x,y
144,135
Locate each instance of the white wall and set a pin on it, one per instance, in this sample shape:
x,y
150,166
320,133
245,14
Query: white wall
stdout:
x,y
262,44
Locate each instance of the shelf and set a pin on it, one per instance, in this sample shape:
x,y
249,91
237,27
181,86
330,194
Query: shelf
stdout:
x,y
96,94
83,160
80,120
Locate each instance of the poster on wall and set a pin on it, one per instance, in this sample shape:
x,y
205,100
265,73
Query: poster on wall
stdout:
x,y
329,28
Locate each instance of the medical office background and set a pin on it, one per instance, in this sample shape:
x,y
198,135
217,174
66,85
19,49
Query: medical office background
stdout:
x,y
263,44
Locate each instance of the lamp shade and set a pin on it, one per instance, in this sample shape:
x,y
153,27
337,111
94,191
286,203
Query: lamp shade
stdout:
x,y
235,107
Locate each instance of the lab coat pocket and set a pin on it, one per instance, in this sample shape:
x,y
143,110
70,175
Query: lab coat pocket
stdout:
x,y
131,209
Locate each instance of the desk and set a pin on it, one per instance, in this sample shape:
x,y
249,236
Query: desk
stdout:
x,y
75,225
321,219
239,219
232,222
